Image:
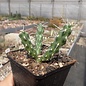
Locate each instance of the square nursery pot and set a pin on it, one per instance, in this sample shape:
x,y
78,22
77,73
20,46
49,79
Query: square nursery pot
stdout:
x,y
23,77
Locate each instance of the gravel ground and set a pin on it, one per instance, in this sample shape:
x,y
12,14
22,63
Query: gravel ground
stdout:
x,y
4,71
16,23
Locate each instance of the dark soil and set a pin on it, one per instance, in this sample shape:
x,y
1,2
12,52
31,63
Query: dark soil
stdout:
x,y
58,61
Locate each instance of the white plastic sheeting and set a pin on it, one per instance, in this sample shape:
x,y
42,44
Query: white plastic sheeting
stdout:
x,y
73,9
4,8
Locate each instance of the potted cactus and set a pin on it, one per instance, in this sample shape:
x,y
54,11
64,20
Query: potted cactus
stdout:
x,y
41,65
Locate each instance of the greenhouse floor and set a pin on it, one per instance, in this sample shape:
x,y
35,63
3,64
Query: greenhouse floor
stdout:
x,y
77,74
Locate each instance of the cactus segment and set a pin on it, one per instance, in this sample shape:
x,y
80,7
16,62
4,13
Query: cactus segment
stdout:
x,y
39,38
68,28
25,39
60,40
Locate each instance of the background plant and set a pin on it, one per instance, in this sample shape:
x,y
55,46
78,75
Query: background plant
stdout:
x,y
15,16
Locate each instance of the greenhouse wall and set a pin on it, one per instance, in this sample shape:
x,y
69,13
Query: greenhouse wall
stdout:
x,y
73,9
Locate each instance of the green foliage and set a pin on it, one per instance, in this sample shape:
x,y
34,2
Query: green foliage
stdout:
x,y
59,41
3,17
42,19
18,16
14,16
31,18
37,18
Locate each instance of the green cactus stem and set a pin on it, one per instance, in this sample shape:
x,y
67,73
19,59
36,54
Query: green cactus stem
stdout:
x,y
39,38
60,40
25,39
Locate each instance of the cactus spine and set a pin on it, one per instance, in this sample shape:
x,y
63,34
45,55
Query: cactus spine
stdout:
x,y
60,40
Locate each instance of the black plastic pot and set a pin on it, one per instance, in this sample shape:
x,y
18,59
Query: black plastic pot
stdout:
x,y
22,77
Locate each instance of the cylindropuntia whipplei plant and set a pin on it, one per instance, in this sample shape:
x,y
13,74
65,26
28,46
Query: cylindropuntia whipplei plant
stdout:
x,y
60,40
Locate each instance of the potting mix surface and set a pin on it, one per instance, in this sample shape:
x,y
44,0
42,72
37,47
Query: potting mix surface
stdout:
x,y
58,61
